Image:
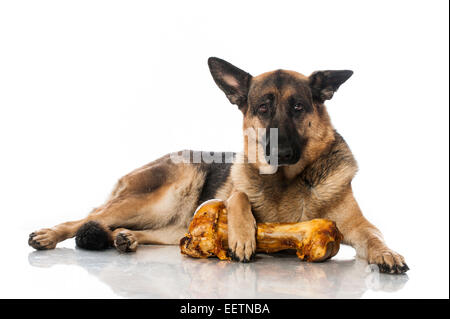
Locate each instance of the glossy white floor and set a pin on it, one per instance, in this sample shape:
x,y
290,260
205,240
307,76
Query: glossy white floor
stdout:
x,y
161,272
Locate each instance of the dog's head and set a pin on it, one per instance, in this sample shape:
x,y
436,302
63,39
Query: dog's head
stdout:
x,y
284,100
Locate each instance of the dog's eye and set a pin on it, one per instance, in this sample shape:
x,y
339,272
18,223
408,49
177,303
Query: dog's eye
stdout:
x,y
263,108
298,107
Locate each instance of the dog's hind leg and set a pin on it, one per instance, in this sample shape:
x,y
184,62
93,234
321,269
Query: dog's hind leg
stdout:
x,y
94,231
155,196
47,238
126,240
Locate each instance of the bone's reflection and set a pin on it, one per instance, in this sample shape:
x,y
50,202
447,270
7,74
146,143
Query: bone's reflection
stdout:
x,y
161,272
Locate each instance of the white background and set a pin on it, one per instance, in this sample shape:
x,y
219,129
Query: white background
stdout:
x,y
90,90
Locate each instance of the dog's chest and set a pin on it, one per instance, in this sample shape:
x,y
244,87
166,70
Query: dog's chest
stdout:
x,y
282,204
273,199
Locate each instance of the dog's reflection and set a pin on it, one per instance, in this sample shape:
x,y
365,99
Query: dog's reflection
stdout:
x,y
161,272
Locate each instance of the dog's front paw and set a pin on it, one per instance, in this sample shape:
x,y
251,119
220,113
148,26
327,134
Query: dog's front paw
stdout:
x,y
388,261
125,242
43,239
242,245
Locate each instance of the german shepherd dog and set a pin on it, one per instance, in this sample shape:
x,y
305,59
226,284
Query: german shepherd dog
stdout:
x,y
312,178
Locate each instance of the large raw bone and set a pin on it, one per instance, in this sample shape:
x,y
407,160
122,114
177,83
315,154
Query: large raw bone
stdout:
x,y
314,240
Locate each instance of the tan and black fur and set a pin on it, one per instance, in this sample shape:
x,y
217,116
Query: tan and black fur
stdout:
x,y
154,204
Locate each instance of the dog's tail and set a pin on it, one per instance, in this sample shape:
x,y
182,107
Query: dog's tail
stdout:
x,y
93,236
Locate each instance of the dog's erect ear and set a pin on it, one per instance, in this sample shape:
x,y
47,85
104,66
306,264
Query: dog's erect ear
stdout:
x,y
323,84
231,80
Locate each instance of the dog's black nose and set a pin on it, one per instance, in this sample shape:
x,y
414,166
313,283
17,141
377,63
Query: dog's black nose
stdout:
x,y
285,155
